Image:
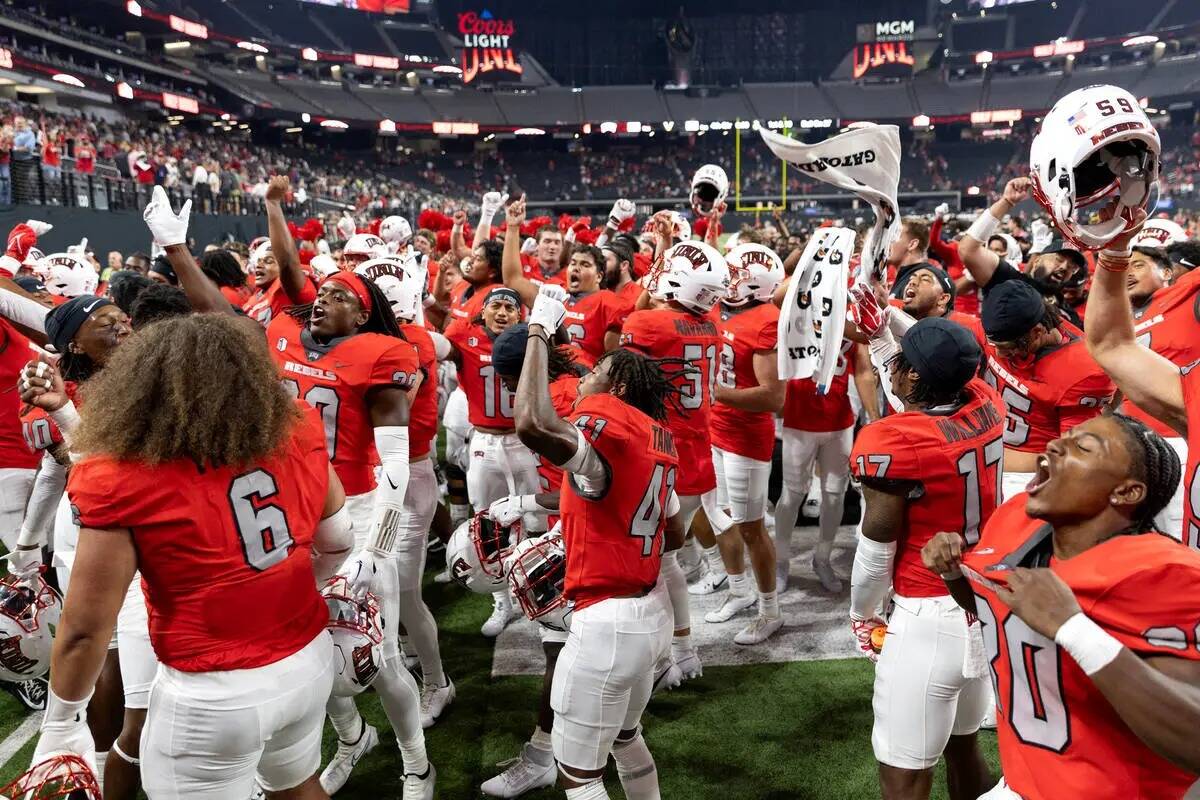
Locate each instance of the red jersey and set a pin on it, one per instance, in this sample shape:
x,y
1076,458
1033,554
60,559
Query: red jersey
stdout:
x,y
14,355
971,323
564,391
1058,735
466,300
745,333
805,409
423,413
1190,377
1049,394
955,456
667,333
38,429
591,316
225,552
531,268
268,304
1168,325
630,292
335,378
236,295
614,541
489,403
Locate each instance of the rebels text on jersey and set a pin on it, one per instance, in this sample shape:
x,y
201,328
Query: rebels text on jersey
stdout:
x,y
225,553
667,333
1058,735
743,335
489,403
953,459
1168,325
589,317
614,540
1049,394
335,379
423,412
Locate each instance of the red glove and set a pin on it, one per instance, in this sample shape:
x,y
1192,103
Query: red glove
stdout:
x,y
20,239
869,642
867,314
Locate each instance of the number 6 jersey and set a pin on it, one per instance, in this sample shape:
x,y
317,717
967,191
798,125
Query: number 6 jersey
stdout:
x,y
1058,736
225,553
954,457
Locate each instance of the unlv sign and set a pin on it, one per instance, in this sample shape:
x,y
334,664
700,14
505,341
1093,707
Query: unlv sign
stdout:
x,y
487,49
883,60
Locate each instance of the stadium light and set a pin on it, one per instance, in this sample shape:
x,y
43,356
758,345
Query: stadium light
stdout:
x,y
983,57
387,126
306,117
633,127
124,90
529,132
1137,41
293,130
608,127
309,54
921,121
691,125
69,80
335,124
134,8
176,45
253,47
448,69
972,190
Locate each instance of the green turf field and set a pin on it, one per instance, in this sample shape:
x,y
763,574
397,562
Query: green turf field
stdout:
x,y
764,732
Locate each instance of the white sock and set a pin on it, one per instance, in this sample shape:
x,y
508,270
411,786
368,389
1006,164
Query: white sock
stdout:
x,y
101,758
712,557
541,747
347,723
502,600
738,584
459,513
768,604
591,791
681,644
412,753
636,769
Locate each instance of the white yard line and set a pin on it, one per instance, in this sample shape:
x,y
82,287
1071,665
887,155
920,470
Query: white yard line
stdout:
x,y
19,737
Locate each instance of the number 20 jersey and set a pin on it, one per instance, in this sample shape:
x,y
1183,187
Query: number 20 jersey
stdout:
x,y
614,540
954,458
1058,736
335,379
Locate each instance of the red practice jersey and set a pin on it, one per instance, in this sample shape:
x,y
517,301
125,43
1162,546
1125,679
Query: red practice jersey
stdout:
x,y
16,353
268,304
225,552
466,300
1168,325
591,316
564,391
335,379
805,409
955,457
1049,394
423,411
667,333
1058,735
615,541
489,403
744,334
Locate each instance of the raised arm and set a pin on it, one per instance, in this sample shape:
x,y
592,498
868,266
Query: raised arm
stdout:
x,y
538,425
492,202
458,243
976,257
510,265
291,277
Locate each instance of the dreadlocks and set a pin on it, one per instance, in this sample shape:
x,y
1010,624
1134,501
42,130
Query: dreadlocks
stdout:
x,y
647,384
559,362
380,320
925,393
1155,463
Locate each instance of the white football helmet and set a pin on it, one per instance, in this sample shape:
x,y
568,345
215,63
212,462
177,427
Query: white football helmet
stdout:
x,y
257,252
68,275
33,259
364,245
710,186
476,553
537,571
65,776
755,272
1094,162
395,230
1159,233
29,612
324,265
400,283
692,274
357,634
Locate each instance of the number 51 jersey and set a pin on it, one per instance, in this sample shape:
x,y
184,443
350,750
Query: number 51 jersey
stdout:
x,y
1059,737
335,379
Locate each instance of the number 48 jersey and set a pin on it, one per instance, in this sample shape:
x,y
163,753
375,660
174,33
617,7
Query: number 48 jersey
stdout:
x,y
955,458
1059,737
335,380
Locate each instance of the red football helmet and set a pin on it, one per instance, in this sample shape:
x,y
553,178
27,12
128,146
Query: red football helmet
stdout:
x,y
493,542
63,776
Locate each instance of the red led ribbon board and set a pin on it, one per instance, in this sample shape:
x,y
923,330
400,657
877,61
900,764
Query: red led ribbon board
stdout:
x,y
883,60
487,51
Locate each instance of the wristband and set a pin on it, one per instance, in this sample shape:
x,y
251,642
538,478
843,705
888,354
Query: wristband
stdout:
x,y
66,418
983,227
1114,260
59,710
1087,643
1116,254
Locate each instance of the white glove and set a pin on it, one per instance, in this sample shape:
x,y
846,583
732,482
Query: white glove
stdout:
x,y
345,226
508,510
167,227
621,211
78,249
65,730
528,246
24,563
549,308
323,247
1043,234
942,210
38,227
492,203
360,572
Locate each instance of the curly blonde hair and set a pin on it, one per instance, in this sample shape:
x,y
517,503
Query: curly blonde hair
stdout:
x,y
201,387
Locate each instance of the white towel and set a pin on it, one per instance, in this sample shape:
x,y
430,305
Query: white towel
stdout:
x,y
813,316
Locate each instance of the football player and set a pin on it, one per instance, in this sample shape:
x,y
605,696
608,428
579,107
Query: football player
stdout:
x,y
623,519
935,462
1088,619
483,273
594,314
748,394
499,464
678,326
1039,364
927,291
278,279
246,689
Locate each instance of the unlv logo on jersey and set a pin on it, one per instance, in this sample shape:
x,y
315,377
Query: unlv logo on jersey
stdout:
x,y
281,345
365,667
11,657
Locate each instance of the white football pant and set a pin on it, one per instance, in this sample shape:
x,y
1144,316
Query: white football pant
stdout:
x,y
134,652
1170,519
500,466
741,485
15,488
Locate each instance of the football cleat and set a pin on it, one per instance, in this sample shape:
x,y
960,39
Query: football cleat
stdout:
x,y
667,676
434,700
734,604
420,787
502,614
759,630
335,775
709,583
523,774
830,582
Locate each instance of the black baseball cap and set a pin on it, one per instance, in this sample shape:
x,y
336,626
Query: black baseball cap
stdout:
x,y
30,283
63,322
1059,245
1011,309
508,349
942,352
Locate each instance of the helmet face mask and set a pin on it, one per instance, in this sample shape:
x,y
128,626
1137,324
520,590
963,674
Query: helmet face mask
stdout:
x,y
64,776
357,632
692,274
537,576
755,273
466,569
493,543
